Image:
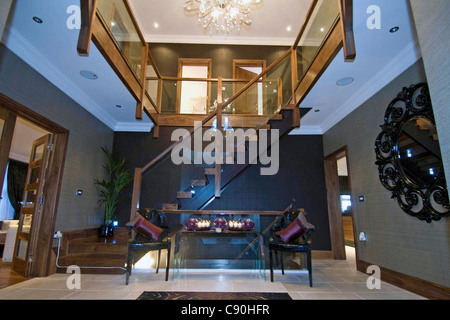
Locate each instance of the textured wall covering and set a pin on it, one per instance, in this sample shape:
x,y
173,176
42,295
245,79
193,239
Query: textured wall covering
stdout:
x,y
432,23
300,181
84,158
395,240
166,56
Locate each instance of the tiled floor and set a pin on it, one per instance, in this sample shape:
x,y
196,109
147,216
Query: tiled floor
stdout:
x,y
332,280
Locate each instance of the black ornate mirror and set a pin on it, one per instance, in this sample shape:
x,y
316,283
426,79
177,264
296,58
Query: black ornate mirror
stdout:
x,y
409,157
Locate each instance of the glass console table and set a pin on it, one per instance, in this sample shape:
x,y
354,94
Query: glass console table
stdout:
x,y
213,248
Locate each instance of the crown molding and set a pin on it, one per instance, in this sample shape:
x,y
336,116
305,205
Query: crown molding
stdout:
x,y
133,126
306,130
19,157
406,58
187,39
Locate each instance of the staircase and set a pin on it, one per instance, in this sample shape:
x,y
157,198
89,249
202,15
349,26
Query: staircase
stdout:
x,y
201,191
290,78
93,254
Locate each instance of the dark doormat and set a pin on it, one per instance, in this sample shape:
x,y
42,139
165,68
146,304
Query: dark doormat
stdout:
x,y
153,295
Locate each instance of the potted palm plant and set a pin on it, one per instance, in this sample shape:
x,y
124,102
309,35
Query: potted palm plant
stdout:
x,y
117,178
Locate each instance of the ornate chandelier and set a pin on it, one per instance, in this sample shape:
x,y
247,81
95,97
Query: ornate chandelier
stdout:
x,y
221,15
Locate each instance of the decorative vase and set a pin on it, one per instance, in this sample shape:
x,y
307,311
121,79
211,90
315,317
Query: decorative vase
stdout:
x,y
191,223
248,225
105,231
220,223
110,230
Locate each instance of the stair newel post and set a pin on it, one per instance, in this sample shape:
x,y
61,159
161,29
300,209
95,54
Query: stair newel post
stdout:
x,y
136,192
346,11
218,175
294,79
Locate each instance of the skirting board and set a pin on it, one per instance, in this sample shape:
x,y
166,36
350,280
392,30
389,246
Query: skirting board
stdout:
x,y
321,255
421,287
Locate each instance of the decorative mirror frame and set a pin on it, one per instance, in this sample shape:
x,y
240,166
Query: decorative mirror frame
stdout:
x,y
426,202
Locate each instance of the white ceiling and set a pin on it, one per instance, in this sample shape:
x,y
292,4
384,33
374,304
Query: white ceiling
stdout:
x,y
269,25
50,48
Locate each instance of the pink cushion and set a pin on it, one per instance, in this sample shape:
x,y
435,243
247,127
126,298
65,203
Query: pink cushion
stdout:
x,y
293,231
145,227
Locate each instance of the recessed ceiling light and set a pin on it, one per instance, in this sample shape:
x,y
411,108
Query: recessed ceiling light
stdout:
x,y
37,20
156,25
345,81
322,29
289,28
394,29
88,75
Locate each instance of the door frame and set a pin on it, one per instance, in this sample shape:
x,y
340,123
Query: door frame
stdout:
x,y
247,63
41,243
193,62
333,200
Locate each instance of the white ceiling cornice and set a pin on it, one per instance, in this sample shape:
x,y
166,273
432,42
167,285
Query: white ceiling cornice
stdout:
x,y
218,40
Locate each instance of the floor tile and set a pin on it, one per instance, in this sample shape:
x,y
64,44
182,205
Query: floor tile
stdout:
x,y
329,296
332,279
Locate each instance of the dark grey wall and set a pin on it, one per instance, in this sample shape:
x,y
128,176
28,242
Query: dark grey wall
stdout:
x,y
166,56
299,180
160,183
396,240
84,158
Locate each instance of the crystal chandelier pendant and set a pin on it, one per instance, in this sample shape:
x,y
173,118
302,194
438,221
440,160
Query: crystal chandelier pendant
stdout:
x,y
221,15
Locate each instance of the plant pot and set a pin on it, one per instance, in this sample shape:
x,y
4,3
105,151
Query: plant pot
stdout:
x,y
105,231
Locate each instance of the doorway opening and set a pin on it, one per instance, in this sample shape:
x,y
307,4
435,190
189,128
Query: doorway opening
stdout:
x,y
32,153
194,96
340,202
346,201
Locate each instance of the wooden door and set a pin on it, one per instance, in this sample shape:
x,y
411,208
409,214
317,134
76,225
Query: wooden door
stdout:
x,y
252,101
31,206
334,211
247,103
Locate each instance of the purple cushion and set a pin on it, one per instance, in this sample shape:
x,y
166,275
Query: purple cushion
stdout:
x,y
293,231
145,227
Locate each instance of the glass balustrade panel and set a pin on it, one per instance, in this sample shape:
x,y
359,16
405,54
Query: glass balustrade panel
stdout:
x,y
120,23
319,26
263,98
189,97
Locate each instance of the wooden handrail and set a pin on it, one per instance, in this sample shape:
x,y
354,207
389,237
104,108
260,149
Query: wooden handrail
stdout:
x,y
198,79
155,67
